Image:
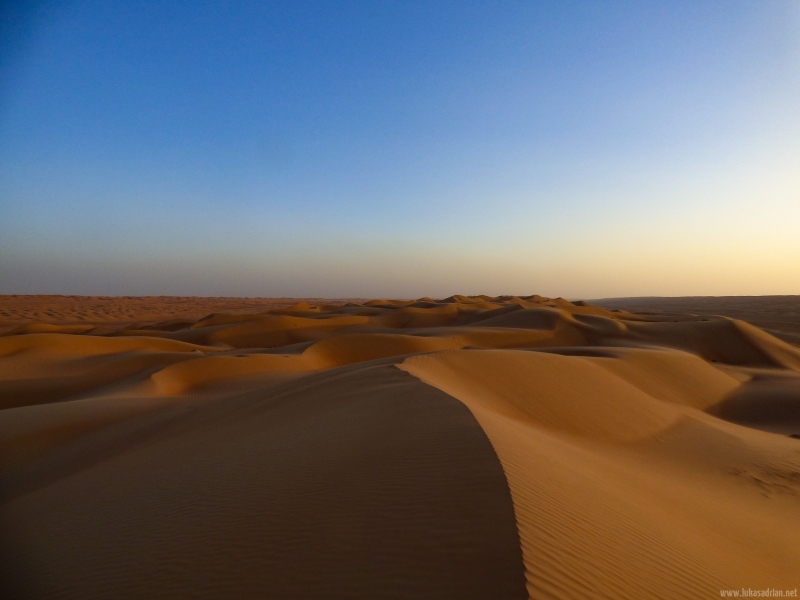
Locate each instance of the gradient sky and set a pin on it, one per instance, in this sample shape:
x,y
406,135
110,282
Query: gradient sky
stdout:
x,y
371,149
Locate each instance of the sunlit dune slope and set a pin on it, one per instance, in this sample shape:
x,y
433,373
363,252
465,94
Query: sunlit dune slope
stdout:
x,y
472,447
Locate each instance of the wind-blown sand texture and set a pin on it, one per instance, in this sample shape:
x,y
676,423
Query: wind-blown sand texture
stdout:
x,y
472,447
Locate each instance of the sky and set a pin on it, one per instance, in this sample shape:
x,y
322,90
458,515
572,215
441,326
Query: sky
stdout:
x,y
400,149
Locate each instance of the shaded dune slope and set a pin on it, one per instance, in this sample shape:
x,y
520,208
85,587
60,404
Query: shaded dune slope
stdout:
x,y
350,485
472,447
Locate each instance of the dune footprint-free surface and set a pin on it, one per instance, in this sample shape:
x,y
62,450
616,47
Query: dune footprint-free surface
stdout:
x,y
471,447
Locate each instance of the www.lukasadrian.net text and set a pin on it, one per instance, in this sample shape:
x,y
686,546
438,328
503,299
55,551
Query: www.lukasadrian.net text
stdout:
x,y
765,593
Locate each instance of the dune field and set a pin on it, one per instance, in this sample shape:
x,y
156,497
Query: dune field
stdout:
x,y
470,447
779,315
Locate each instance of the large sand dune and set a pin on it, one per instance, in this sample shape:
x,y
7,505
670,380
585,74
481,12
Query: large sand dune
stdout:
x,y
471,447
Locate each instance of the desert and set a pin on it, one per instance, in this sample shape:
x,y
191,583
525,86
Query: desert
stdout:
x,y
465,447
399,300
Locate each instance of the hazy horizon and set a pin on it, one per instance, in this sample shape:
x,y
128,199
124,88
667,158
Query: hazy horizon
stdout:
x,y
400,149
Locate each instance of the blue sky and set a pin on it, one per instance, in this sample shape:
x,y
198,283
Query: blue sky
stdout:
x,y
577,149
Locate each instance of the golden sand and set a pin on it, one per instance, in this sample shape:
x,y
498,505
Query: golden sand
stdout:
x,y
471,447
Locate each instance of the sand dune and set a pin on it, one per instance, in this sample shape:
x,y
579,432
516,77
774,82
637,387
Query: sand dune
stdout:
x,y
473,447
104,313
779,315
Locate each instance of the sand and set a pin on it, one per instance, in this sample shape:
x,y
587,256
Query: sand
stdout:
x,y
779,315
470,447
104,313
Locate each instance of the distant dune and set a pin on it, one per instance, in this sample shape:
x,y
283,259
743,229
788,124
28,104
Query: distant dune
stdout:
x,y
470,447
110,312
780,315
